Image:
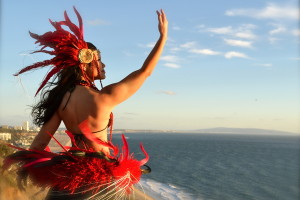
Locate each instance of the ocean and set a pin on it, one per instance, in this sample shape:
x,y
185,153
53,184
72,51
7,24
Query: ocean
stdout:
x,y
219,166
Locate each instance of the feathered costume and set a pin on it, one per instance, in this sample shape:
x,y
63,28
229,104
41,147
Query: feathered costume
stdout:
x,y
81,170
76,170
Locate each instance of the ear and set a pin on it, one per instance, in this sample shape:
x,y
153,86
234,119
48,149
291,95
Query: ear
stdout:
x,y
84,66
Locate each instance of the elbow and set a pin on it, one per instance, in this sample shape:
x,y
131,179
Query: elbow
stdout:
x,y
146,73
39,146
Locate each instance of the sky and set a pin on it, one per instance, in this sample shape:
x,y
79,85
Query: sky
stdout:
x,y
225,64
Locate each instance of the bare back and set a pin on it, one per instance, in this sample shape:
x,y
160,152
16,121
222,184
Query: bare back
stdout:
x,y
81,104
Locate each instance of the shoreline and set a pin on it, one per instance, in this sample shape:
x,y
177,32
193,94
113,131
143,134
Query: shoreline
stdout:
x,y
139,195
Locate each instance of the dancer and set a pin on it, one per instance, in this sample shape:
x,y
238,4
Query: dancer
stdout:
x,y
93,168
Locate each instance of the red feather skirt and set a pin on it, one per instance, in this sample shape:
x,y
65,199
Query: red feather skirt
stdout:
x,y
78,169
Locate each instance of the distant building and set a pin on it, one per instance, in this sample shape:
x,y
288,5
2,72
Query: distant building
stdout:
x,y
5,136
25,126
35,128
4,126
17,128
23,142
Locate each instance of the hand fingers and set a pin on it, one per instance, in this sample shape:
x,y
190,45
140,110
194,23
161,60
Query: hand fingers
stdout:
x,y
159,16
162,15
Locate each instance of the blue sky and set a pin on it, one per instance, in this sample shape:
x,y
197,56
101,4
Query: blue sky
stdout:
x,y
233,64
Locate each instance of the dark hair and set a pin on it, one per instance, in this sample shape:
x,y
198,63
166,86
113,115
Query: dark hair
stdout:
x,y
54,91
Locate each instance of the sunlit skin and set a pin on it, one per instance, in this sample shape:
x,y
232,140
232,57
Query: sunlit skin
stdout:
x,y
96,106
95,70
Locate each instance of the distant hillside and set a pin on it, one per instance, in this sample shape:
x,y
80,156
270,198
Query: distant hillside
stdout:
x,y
220,130
243,131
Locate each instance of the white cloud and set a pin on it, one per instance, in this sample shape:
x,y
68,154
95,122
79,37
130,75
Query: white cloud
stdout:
x,y
279,29
170,58
239,43
188,45
176,28
97,22
243,31
127,53
175,49
271,11
149,45
233,54
273,40
172,65
204,51
167,92
295,58
296,32
201,26
130,113
245,35
221,30
247,26
268,65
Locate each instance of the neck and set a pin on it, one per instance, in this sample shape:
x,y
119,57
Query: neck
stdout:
x,y
87,83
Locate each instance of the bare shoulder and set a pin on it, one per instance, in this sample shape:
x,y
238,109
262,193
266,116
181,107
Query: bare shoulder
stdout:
x,y
104,98
115,93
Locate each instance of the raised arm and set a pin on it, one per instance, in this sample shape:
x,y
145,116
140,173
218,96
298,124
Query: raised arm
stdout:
x,y
122,90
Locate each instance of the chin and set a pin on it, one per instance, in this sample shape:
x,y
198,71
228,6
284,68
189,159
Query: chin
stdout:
x,y
101,77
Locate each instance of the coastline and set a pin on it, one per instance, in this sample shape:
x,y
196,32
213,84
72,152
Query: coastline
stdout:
x,y
139,195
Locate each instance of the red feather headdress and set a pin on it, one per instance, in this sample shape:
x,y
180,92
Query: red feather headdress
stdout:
x,y
69,48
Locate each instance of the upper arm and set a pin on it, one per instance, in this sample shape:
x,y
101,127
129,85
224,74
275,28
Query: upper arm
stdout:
x,y
119,92
43,138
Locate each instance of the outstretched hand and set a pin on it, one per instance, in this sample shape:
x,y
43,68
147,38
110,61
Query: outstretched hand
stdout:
x,y
162,23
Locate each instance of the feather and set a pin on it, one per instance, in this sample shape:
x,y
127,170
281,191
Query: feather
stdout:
x,y
72,138
49,75
47,148
36,161
146,159
125,148
72,26
56,25
111,123
44,51
34,66
84,127
80,23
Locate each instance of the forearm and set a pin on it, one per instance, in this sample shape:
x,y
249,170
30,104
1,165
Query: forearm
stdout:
x,y
43,138
154,56
38,144
135,80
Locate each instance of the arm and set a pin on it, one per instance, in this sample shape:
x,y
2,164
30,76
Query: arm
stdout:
x,y
43,138
122,90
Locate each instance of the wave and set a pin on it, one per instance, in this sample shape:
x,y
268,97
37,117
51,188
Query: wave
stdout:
x,y
161,191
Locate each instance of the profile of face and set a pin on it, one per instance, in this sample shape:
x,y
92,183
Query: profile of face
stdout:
x,y
95,70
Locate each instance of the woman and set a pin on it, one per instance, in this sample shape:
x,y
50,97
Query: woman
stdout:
x,y
74,99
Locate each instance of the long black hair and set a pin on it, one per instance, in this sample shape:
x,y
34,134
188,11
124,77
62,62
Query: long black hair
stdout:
x,y
54,91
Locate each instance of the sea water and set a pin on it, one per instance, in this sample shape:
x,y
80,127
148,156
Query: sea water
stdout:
x,y
219,166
